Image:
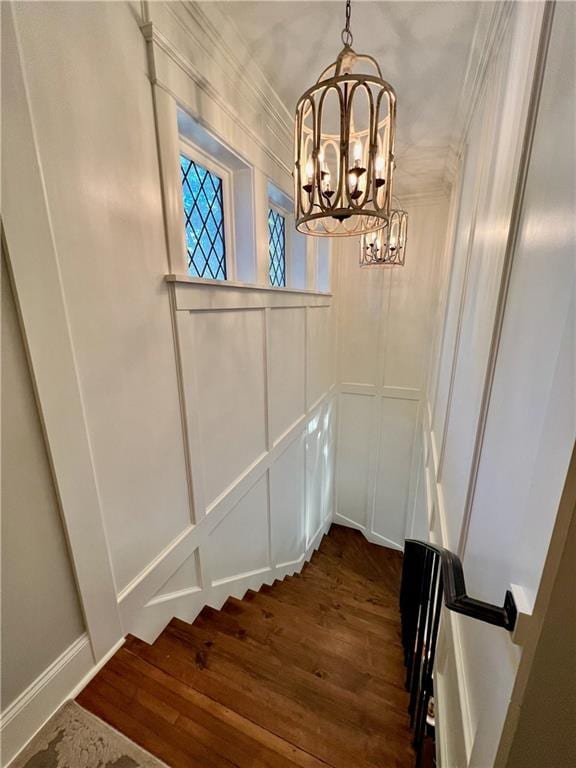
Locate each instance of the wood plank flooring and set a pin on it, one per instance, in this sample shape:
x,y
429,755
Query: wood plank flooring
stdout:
x,y
308,672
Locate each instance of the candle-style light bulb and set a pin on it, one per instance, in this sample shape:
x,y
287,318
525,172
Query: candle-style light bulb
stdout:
x,y
352,181
309,170
357,153
379,170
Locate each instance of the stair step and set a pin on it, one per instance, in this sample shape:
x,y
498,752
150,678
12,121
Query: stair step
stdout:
x,y
307,671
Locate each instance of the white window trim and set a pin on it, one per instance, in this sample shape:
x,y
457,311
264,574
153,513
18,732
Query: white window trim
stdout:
x,y
197,155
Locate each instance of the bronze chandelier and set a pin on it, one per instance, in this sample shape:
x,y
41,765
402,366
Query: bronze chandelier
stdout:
x,y
344,147
387,246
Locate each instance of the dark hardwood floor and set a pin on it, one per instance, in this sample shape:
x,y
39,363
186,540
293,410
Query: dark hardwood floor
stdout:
x,y
308,672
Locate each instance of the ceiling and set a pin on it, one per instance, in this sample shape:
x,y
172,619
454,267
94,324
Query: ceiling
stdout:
x,y
423,49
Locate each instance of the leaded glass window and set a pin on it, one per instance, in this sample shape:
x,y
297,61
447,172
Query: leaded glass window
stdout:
x,y
277,247
204,214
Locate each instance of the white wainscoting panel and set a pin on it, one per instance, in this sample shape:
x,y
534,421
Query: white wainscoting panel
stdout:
x,y
329,459
315,442
288,503
224,352
359,326
239,544
320,346
355,438
186,578
287,368
261,463
384,338
500,344
397,424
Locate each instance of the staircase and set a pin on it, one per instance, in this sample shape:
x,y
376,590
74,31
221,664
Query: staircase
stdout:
x,y
307,672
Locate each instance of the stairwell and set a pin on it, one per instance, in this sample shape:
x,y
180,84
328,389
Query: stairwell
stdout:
x,y
307,672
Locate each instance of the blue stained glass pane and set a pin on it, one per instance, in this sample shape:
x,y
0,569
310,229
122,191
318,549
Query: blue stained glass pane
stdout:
x,y
204,216
277,248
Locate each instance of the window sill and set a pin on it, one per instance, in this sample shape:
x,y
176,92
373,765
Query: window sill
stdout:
x,y
171,278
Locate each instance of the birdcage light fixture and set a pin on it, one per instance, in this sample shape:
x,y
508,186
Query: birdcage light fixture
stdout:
x,y
344,147
387,246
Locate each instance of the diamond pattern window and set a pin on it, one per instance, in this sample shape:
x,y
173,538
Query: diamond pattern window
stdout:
x,y
277,247
204,214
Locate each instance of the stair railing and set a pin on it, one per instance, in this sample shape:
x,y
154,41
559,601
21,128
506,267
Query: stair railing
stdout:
x,y
432,575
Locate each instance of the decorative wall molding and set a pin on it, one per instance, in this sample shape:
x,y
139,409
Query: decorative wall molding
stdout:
x,y
145,605
491,25
426,197
253,106
435,513
141,591
49,341
227,40
541,29
191,295
493,186
383,347
187,604
510,65
373,390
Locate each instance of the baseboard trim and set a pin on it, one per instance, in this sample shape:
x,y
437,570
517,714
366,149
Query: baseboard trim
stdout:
x,y
374,538
62,680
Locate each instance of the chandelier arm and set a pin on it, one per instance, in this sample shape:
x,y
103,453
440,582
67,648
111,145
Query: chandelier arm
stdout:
x,y
388,151
307,211
331,204
361,201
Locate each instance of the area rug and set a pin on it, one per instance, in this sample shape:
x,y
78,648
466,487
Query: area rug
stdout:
x,y
74,738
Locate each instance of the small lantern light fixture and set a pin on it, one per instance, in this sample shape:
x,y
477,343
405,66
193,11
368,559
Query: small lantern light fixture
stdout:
x,y
387,246
344,147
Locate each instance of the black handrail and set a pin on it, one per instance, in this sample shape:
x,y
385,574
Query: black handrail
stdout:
x,y
432,575
454,587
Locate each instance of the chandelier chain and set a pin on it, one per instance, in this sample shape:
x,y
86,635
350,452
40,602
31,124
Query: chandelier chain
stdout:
x,y
347,37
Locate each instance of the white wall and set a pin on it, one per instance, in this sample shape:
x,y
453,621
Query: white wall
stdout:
x,y
41,615
96,142
384,338
501,420
205,414
192,428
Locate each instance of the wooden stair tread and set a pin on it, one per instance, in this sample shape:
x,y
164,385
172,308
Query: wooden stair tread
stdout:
x,y
307,672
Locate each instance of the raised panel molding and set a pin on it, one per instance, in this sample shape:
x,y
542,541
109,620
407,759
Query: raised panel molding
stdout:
x,y
398,420
246,523
287,503
376,487
223,361
185,580
274,502
287,395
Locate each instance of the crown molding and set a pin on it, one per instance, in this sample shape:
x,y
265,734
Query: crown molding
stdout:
x,y
491,25
426,196
212,34
225,36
